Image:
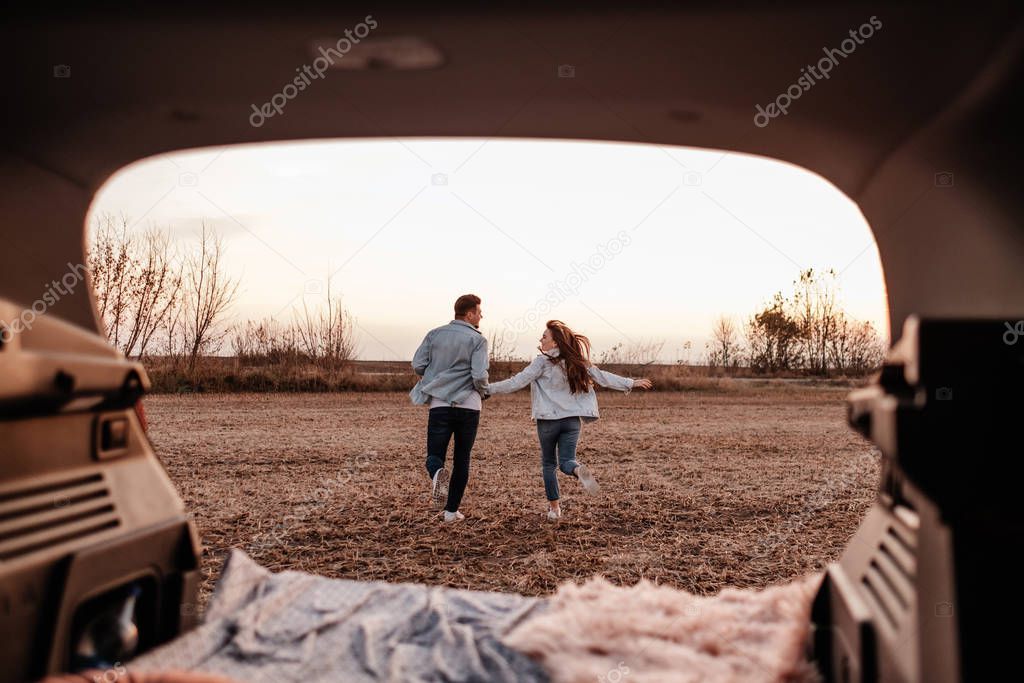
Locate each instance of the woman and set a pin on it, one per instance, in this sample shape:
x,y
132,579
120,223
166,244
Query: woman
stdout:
x,y
561,381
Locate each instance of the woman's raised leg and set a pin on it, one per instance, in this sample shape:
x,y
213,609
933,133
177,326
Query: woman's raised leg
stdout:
x,y
567,442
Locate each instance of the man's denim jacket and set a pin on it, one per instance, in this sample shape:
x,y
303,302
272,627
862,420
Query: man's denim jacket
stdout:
x,y
453,363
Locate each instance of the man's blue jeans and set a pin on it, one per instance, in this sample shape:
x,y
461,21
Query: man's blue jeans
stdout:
x,y
558,439
442,425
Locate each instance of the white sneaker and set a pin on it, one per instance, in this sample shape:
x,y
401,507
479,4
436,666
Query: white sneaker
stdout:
x,y
590,484
554,515
439,489
456,516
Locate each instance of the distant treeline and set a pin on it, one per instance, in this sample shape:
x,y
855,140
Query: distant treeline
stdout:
x,y
232,374
807,332
168,304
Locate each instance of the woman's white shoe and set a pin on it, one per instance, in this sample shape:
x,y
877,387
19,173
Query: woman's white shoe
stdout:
x,y
456,516
590,484
554,515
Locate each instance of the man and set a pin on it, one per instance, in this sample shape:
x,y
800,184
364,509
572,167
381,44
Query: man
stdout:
x,y
452,361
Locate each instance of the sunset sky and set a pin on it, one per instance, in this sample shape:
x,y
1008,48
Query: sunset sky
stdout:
x,y
625,243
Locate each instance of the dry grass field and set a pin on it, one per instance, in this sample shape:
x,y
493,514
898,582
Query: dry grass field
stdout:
x,y
746,485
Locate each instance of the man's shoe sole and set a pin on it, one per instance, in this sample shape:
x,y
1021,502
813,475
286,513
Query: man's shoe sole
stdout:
x,y
439,490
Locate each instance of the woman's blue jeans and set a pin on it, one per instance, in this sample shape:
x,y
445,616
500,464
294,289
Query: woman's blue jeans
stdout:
x,y
558,439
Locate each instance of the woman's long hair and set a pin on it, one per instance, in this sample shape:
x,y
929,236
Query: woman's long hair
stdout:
x,y
574,349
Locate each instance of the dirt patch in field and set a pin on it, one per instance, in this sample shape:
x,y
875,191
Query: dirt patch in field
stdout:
x,y
700,490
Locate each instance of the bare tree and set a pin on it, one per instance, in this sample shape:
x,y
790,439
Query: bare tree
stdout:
x,y
724,351
136,281
111,263
684,358
173,332
208,292
155,291
327,335
817,313
499,347
857,348
501,352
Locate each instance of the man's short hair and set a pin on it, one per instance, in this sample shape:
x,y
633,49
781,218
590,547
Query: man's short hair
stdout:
x,y
466,303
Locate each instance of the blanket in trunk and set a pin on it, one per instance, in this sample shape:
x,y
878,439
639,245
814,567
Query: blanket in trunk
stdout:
x,y
293,626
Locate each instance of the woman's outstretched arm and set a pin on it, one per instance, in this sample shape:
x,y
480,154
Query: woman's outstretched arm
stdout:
x,y
609,380
520,380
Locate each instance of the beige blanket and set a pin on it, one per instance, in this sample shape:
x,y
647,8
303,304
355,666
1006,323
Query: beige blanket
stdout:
x,y
654,634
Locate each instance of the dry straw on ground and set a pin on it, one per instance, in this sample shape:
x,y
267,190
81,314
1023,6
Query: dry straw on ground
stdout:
x,y
701,490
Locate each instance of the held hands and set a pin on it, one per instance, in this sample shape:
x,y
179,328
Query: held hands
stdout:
x,y
642,383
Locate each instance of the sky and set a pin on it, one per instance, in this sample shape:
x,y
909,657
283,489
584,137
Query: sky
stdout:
x,y
626,243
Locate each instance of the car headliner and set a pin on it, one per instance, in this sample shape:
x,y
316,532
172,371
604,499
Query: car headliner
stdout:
x,y
932,92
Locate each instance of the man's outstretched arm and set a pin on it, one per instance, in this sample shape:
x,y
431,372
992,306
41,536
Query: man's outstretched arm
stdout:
x,y
421,359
